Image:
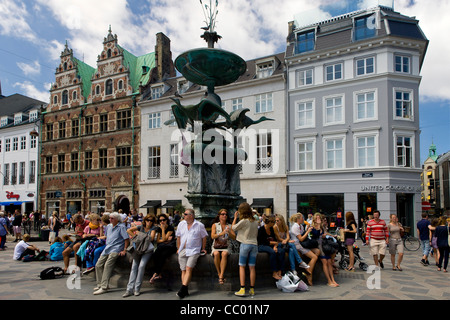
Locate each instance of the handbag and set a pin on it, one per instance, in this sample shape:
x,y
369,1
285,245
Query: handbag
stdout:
x,y
222,241
310,243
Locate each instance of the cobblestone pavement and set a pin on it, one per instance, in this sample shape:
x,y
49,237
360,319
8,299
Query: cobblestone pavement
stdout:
x,y
20,281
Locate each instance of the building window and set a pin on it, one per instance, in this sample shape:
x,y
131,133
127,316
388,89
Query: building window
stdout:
x,y
334,110
88,124
33,142
14,173
48,164
103,122
74,161
123,119
32,171
120,85
103,158
265,70
7,145
304,77
123,157
75,128
236,104
264,103
174,160
305,114
88,160
109,87
157,92
404,152
18,118
305,155
22,173
402,64
154,120
15,144
23,143
264,152
6,174
61,162
154,162
65,97
334,72
182,86
403,104
55,99
365,106
365,66
97,90
62,129
33,116
49,131
365,28
334,153
74,96
366,151
305,41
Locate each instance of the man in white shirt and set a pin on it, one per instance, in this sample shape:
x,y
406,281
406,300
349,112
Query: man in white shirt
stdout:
x,y
191,241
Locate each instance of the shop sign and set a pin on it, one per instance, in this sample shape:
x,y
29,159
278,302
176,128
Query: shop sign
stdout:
x,y
11,195
390,188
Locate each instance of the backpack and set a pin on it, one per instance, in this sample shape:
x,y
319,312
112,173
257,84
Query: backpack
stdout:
x,y
51,273
142,242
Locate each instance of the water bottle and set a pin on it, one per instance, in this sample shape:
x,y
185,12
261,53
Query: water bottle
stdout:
x,y
226,233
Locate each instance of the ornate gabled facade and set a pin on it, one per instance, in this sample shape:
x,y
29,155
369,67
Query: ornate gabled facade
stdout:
x,y
90,155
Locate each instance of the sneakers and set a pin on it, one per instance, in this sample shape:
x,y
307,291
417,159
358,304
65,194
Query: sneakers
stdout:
x,y
137,293
100,291
183,292
303,265
241,293
252,292
126,294
88,270
427,262
423,262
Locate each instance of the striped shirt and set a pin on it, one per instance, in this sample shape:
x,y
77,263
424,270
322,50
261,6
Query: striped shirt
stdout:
x,y
377,230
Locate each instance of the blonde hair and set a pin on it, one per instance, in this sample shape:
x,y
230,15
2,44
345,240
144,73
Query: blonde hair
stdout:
x,y
317,214
294,217
283,227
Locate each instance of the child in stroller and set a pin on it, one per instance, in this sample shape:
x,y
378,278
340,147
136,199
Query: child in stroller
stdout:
x,y
345,258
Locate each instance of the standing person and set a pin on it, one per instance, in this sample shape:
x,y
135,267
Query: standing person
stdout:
x,y
3,230
247,235
395,241
377,236
117,240
56,224
17,225
191,242
299,234
166,245
220,233
140,261
442,232
318,232
293,255
432,227
349,238
424,236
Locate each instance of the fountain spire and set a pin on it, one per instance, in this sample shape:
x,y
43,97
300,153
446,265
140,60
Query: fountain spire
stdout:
x,y
210,12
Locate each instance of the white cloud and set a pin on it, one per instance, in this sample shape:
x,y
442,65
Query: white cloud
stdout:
x,y
31,91
13,20
30,69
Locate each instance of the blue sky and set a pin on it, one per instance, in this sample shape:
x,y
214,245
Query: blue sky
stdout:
x,y
33,34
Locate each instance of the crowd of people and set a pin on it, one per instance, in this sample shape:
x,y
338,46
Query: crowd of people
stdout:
x,y
99,240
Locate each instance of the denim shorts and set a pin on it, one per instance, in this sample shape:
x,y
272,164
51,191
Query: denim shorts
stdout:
x,y
247,255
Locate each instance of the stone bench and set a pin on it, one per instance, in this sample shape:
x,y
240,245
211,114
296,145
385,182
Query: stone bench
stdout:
x,y
205,275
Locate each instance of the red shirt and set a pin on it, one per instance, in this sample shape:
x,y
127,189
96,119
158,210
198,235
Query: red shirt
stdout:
x,y
79,228
377,230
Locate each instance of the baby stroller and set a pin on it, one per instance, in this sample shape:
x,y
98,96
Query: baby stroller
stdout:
x,y
345,258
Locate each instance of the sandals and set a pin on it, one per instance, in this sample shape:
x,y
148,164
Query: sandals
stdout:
x,y
399,269
221,280
350,269
155,277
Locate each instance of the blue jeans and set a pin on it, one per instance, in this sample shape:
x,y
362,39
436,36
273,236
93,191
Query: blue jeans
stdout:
x,y
137,271
97,253
426,247
247,254
276,258
293,254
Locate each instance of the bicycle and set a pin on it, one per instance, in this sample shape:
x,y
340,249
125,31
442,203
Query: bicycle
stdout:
x,y
409,242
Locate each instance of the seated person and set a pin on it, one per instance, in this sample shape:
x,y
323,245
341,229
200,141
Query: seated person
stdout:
x,y
23,248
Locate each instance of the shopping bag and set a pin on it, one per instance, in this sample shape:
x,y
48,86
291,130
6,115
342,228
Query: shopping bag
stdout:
x,y
52,236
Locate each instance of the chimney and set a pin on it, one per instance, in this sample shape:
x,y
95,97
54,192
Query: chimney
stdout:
x,y
163,58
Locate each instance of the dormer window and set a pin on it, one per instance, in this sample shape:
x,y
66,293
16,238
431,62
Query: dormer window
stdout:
x,y
183,86
265,70
306,41
18,118
365,27
157,92
4,121
33,116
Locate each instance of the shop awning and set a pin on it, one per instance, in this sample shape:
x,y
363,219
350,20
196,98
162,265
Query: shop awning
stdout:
x,y
171,203
152,204
10,203
262,203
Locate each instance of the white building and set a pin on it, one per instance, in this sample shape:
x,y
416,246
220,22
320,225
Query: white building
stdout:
x,y
19,149
261,89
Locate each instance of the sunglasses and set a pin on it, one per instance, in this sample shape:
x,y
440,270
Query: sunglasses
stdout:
x,y
223,214
162,220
